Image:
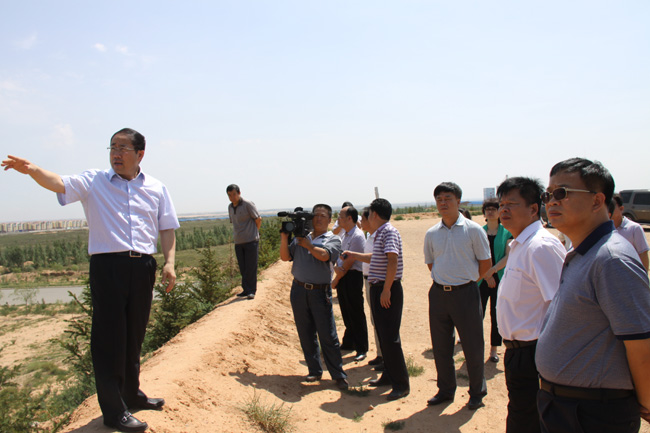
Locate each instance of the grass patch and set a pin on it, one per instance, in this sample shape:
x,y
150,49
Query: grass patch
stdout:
x,y
273,418
393,425
358,391
357,417
413,369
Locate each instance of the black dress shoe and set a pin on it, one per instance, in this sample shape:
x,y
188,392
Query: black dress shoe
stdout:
x,y
379,367
378,360
474,403
397,394
242,295
150,404
128,423
381,381
494,358
342,384
313,378
438,399
360,357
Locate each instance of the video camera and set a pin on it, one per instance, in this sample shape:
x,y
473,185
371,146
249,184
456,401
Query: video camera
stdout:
x,y
299,223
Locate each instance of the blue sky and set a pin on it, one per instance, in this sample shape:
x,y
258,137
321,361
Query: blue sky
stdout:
x,y
302,102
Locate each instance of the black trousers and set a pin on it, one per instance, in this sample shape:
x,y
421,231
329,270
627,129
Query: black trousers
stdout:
x,y
122,289
350,294
247,256
522,381
460,308
387,324
568,415
490,293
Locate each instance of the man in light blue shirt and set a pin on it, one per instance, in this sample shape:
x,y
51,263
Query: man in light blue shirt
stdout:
x,y
457,252
126,211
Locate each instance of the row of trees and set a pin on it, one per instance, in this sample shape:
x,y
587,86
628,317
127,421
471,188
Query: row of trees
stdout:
x,y
66,253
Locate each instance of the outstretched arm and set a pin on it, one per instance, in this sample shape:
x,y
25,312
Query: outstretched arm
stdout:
x,y
44,178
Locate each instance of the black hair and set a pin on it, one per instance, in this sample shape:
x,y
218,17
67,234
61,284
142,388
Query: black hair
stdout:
x,y
233,187
617,198
465,213
352,212
137,140
616,202
448,187
595,176
529,189
382,208
327,207
366,212
346,204
491,202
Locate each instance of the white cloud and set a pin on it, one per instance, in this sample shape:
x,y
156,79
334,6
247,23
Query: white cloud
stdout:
x,y
100,47
26,43
11,86
62,136
123,50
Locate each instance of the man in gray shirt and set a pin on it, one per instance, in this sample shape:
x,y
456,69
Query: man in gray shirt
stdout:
x,y
593,352
246,222
457,252
311,295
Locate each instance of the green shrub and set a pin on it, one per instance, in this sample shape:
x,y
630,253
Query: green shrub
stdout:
x,y
272,418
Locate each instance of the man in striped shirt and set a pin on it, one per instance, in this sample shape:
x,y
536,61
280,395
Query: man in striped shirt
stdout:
x,y
386,296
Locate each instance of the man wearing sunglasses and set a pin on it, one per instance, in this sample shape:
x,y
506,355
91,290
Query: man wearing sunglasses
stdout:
x,y
126,211
530,280
593,353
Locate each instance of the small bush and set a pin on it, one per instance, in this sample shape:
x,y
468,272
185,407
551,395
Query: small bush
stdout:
x,y
393,425
272,418
399,218
413,369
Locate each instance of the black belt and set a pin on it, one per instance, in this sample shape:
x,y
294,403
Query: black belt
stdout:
x,y
578,393
310,286
517,344
134,254
451,288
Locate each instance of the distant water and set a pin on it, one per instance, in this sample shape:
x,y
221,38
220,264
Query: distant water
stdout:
x,y
49,295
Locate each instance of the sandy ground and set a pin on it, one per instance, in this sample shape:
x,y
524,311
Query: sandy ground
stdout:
x,y
247,348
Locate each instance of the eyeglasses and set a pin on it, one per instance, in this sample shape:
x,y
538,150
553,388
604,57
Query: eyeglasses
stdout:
x,y
119,149
561,193
491,209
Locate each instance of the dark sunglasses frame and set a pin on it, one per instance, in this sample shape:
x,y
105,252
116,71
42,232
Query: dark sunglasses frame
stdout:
x,y
561,193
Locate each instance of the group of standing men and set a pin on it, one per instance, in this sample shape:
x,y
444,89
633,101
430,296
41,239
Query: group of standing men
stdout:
x,y
576,326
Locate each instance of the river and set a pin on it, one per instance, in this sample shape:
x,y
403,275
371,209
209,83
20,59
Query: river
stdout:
x,y
49,295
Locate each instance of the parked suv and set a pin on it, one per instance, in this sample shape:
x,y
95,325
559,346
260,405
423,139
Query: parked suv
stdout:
x,y
636,204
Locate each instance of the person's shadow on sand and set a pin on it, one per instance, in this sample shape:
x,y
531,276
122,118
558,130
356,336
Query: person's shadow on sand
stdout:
x,y
435,420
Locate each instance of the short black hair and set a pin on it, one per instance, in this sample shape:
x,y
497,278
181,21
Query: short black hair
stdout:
x,y
327,207
352,212
617,198
491,202
595,176
466,213
346,204
616,202
233,187
366,212
448,187
137,140
382,208
529,189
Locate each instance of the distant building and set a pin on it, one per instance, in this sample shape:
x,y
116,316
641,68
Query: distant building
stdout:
x,y
41,226
489,193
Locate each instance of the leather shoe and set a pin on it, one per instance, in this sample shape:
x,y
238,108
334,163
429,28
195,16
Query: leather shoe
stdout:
x,y
342,384
397,394
242,295
360,357
474,403
494,358
379,367
150,404
381,381
378,360
128,423
438,399
313,378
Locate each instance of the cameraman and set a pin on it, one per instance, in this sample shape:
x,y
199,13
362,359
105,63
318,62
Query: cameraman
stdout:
x,y
311,295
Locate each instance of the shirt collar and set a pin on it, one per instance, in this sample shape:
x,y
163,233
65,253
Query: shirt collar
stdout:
x,y
529,231
112,174
593,237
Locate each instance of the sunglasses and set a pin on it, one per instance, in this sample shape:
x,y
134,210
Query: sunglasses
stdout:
x,y
561,193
